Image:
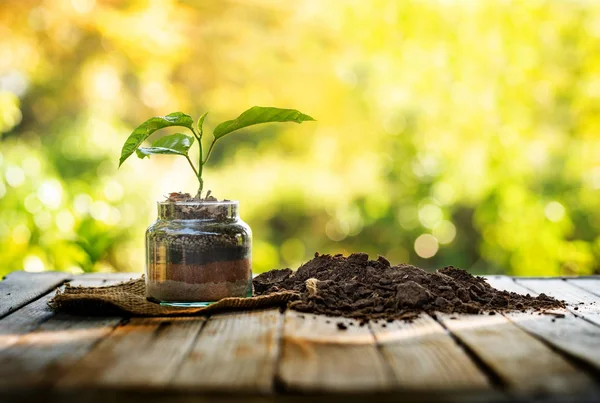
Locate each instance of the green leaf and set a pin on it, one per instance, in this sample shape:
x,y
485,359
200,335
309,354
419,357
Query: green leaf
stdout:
x,y
177,144
201,122
257,115
143,131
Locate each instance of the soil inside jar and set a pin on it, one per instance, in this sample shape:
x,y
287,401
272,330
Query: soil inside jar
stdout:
x,y
198,267
181,291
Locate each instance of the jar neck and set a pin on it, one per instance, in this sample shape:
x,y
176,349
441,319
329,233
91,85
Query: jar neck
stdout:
x,y
207,211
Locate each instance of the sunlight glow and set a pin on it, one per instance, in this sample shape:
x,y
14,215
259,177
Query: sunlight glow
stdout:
x,y
426,246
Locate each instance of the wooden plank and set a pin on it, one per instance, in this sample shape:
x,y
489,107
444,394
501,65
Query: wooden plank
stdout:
x,y
19,288
234,352
24,320
591,285
423,356
523,363
29,317
144,352
570,334
317,356
176,396
43,343
579,302
506,283
40,356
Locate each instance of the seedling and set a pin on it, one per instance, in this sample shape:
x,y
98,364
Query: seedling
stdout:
x,y
180,144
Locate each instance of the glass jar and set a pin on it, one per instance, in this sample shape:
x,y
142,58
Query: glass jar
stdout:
x,y
198,253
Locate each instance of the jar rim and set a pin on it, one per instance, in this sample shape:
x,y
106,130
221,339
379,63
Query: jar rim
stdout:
x,y
200,203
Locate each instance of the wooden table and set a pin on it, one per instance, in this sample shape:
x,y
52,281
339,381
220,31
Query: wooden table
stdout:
x,y
273,356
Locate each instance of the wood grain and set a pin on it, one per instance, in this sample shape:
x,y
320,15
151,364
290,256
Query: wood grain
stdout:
x,y
37,343
25,320
591,285
570,334
523,363
579,302
506,283
19,288
40,356
32,315
317,356
242,353
144,352
234,352
423,356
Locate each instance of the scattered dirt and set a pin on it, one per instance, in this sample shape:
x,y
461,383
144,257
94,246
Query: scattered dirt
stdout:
x,y
357,287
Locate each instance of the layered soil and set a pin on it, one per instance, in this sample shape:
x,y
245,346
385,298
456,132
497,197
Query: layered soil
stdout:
x,y
181,291
198,253
360,288
200,282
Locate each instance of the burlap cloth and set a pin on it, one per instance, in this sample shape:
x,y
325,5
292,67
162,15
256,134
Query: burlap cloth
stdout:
x,y
129,298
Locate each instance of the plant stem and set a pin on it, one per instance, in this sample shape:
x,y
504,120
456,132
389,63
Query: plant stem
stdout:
x,y
199,174
209,151
192,165
200,163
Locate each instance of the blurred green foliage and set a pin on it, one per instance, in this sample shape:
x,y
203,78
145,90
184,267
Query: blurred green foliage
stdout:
x,y
449,132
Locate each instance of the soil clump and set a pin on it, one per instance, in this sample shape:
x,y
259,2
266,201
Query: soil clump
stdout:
x,y
364,289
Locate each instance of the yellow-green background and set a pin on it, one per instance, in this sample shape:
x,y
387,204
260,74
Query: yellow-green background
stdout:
x,y
469,130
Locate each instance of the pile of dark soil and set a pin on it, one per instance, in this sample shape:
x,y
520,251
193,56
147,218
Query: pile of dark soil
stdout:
x,y
360,288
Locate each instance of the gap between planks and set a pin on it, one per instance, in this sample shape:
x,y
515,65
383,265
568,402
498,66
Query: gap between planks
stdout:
x,y
318,357
579,301
523,363
381,380
570,335
423,356
20,288
591,285
37,343
233,352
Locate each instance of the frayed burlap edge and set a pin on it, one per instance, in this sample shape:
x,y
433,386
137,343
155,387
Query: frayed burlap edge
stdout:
x,y
129,298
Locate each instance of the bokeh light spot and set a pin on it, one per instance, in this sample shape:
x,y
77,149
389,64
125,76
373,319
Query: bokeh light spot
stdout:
x,y
337,230
444,232
430,215
82,203
32,166
32,203
21,234
43,220
407,217
33,264
83,6
426,246
554,211
10,114
154,94
100,210
113,191
106,83
65,221
50,193
14,176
